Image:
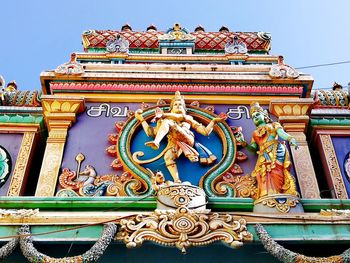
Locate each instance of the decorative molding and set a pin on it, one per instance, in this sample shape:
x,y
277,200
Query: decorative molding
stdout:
x,y
183,228
304,170
49,170
282,203
192,88
332,98
281,70
70,68
335,212
333,167
235,46
290,107
18,213
21,167
255,41
117,44
176,33
54,104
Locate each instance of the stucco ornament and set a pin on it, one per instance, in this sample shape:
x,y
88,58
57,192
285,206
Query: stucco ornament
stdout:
x,y
184,228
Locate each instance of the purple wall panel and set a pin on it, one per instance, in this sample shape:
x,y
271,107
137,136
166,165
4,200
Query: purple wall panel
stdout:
x,y
11,142
342,147
89,135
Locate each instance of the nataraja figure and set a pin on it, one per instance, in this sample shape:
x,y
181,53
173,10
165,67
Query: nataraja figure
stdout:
x,y
176,125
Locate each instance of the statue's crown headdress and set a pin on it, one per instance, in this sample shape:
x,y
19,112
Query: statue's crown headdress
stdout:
x,y
178,97
255,107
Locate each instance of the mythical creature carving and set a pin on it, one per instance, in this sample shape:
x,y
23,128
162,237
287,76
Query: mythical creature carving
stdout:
x,y
88,183
70,68
281,70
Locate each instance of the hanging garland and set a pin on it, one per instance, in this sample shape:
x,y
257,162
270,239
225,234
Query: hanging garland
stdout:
x,y
92,255
8,248
288,256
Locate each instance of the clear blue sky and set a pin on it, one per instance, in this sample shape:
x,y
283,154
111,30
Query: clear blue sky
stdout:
x,y
39,35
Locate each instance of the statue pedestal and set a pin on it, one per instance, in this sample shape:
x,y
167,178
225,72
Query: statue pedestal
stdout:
x,y
173,196
279,203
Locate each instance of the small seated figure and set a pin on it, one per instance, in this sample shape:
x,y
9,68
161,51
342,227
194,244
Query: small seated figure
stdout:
x,y
272,167
177,125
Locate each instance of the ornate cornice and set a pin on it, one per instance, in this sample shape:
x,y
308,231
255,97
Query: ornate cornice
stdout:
x,y
291,107
167,87
60,112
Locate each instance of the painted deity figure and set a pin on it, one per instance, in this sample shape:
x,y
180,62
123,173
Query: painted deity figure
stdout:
x,y
177,126
272,166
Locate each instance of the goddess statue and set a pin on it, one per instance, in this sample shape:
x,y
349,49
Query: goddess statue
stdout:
x,y
272,166
177,125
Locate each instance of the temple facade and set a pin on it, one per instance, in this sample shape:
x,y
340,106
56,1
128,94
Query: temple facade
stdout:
x,y
172,146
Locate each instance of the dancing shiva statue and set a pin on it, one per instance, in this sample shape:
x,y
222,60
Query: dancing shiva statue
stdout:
x,y
176,125
272,166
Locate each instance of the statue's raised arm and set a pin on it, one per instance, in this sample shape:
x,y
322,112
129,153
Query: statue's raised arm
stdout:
x,y
176,126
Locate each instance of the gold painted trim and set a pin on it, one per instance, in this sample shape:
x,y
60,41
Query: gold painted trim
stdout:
x,y
49,170
333,167
21,167
217,99
267,58
91,217
18,127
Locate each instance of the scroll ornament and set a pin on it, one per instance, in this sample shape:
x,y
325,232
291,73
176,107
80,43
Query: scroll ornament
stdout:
x,y
183,228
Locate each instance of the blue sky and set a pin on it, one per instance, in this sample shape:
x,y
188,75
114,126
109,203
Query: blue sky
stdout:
x,y
39,35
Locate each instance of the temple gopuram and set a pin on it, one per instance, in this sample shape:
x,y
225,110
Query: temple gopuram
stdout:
x,y
174,146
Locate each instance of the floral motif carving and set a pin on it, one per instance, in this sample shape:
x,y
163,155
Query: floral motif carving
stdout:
x,y
183,228
244,186
49,170
333,167
305,172
281,204
20,168
182,196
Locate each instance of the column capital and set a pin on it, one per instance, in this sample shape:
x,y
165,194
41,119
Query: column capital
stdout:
x,y
60,110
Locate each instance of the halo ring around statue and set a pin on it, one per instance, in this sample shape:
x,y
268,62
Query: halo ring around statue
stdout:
x,y
207,180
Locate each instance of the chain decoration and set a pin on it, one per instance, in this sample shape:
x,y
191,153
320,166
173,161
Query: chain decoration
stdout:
x,y
288,256
184,228
8,248
92,255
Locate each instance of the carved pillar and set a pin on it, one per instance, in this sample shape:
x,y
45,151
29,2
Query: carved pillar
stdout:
x,y
292,115
333,173
59,113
